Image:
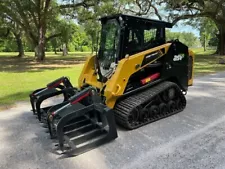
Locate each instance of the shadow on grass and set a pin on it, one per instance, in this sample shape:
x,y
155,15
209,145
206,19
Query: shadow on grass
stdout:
x,y
207,64
29,64
9,100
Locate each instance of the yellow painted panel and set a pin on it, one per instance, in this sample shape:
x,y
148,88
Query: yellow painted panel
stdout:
x,y
116,85
191,53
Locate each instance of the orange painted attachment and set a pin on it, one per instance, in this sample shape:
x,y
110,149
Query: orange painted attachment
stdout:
x,y
150,78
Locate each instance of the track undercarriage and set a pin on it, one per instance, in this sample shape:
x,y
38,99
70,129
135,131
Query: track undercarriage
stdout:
x,y
150,105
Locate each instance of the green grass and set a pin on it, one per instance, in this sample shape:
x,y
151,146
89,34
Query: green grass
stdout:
x,y
17,86
19,77
206,62
49,55
200,51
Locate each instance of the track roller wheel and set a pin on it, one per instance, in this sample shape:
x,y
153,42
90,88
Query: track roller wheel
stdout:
x,y
153,111
163,108
133,117
144,115
172,106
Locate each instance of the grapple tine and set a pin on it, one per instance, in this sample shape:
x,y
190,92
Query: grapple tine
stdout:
x,y
33,97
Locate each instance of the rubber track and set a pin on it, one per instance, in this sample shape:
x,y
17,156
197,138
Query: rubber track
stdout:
x,y
124,107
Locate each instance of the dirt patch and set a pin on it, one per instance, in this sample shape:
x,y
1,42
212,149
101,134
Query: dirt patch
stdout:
x,y
5,107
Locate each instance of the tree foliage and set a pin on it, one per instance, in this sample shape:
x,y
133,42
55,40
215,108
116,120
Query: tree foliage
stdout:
x,y
71,25
187,38
188,9
208,33
9,28
35,17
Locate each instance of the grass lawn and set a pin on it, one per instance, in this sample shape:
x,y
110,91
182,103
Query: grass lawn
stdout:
x,y
19,77
206,62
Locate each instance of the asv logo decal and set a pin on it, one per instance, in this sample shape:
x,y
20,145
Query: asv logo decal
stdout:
x,y
178,58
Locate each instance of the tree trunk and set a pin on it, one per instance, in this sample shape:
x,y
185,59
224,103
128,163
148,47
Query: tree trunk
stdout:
x,y
204,43
55,50
221,44
40,52
19,44
92,45
65,51
40,48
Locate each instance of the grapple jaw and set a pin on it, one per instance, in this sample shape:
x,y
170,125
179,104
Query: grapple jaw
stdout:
x,y
60,86
35,95
80,127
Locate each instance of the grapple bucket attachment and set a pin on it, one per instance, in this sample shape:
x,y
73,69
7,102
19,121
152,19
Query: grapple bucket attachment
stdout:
x,y
57,87
80,127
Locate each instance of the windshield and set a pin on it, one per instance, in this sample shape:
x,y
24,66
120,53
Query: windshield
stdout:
x,y
108,46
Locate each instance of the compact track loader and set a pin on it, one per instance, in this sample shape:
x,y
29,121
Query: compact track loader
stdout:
x,y
135,78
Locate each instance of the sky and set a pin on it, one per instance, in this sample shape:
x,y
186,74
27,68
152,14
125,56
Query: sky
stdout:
x,y
185,28
180,26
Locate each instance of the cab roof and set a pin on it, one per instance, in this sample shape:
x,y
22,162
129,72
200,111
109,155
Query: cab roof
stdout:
x,y
137,19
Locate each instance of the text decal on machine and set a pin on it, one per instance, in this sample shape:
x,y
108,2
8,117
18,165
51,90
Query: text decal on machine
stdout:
x,y
151,55
178,58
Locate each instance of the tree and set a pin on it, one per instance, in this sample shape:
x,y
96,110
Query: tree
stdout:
x,y
187,38
80,39
208,32
89,18
140,7
18,36
35,16
11,27
189,9
55,44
